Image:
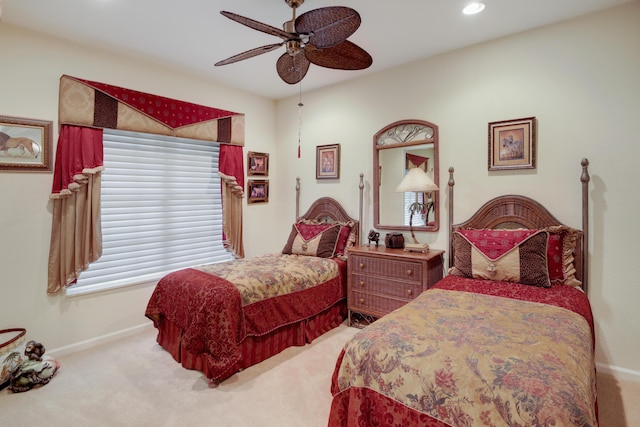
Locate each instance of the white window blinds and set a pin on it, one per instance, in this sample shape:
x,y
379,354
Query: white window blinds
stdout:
x,y
161,209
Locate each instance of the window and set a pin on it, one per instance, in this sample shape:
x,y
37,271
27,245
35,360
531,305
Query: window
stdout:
x,y
418,217
161,210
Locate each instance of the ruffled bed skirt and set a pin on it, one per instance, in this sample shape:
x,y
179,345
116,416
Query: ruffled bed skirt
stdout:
x,y
254,349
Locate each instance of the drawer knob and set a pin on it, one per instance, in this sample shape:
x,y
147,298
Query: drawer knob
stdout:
x,y
362,283
409,292
409,272
361,300
361,265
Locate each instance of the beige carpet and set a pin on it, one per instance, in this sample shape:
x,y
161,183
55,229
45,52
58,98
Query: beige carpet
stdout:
x,y
133,382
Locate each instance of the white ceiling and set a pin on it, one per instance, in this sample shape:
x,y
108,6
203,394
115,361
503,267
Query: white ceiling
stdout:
x,y
192,35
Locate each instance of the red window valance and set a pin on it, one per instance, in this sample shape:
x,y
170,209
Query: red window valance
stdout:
x,y
416,161
88,103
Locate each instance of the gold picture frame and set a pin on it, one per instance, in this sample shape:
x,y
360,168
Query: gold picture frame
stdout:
x,y
328,161
512,144
257,163
258,191
25,144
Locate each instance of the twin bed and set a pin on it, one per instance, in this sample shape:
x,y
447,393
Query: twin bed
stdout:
x,y
506,338
222,318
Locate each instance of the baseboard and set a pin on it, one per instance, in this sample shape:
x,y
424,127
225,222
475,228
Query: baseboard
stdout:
x,y
618,373
97,341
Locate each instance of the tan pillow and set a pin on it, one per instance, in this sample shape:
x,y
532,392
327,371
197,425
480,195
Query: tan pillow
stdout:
x,y
313,240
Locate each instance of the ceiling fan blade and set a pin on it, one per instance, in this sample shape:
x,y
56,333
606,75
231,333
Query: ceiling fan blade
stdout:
x,y
251,23
343,56
249,54
292,69
328,26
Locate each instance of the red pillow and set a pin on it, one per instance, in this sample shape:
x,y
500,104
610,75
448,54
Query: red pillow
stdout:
x,y
343,239
560,259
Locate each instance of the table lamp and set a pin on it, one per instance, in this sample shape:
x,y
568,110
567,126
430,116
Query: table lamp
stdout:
x,y
416,181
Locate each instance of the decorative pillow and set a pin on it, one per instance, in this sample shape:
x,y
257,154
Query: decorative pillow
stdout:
x,y
313,239
346,237
518,256
560,249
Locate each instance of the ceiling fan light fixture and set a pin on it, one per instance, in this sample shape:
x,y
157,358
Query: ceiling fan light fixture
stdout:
x,y
318,36
473,8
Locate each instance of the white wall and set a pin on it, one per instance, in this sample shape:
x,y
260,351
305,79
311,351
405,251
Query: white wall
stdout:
x,y
31,68
579,78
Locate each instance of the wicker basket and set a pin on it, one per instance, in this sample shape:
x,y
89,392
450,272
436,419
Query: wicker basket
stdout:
x,y
12,344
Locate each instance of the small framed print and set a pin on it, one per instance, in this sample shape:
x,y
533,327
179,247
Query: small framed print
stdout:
x,y
328,161
258,163
512,144
25,144
258,191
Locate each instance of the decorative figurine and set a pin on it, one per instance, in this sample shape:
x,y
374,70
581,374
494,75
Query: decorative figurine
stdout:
x,y
374,236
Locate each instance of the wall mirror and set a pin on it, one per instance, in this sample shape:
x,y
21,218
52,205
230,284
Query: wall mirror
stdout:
x,y
397,148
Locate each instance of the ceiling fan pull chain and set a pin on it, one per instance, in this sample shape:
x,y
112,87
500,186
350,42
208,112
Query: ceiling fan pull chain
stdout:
x,y
300,105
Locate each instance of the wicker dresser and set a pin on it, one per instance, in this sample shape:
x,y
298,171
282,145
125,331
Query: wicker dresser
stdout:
x,y
383,279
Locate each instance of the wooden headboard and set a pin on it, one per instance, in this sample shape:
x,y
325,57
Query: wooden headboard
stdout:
x,y
513,211
327,209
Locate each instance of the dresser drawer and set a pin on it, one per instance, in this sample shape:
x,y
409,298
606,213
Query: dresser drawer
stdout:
x,y
384,279
401,270
372,303
406,290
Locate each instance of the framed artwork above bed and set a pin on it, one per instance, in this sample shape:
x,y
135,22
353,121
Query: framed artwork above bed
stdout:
x,y
328,161
512,144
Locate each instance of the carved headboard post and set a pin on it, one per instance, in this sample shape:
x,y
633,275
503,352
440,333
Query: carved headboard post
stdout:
x,y
584,178
451,184
361,187
297,197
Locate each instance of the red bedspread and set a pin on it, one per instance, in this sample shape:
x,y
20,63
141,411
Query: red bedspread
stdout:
x,y
268,292
208,309
462,355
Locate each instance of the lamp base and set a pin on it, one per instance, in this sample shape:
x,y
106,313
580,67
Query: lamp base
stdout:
x,y
416,247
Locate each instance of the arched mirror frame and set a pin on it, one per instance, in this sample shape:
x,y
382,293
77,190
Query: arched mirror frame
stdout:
x,y
402,134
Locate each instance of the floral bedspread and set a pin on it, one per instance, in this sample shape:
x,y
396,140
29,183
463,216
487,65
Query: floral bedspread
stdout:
x,y
467,359
218,306
268,276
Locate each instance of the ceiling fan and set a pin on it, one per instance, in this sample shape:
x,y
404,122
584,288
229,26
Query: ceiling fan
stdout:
x,y
315,37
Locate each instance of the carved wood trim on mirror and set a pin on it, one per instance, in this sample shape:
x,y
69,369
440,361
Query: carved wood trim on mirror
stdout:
x,y
397,147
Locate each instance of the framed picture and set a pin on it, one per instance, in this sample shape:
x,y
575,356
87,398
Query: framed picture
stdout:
x,y
512,144
258,191
258,163
328,161
25,144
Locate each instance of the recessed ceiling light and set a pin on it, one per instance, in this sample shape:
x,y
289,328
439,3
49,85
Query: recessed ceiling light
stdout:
x,y
473,8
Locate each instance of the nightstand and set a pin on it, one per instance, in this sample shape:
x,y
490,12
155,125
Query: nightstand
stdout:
x,y
382,279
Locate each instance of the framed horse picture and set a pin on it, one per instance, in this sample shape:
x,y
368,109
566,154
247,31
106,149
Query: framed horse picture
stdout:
x,y
25,144
258,191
